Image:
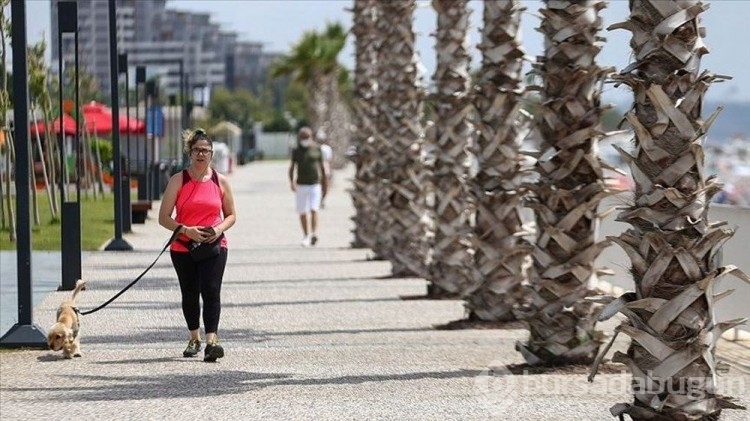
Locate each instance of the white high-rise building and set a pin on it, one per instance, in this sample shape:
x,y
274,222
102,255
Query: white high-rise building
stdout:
x,y
153,36
93,38
158,38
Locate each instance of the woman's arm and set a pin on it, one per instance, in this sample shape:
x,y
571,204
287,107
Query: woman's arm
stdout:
x,y
227,208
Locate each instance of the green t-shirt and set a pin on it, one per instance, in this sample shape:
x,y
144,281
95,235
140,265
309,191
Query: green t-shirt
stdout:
x,y
308,161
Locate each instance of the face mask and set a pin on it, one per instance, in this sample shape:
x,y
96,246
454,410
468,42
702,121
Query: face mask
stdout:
x,y
306,143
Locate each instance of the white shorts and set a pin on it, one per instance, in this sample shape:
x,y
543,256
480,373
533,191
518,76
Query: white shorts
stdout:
x,y
308,198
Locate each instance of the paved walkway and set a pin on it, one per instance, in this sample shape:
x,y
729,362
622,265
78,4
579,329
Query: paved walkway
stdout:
x,y
310,333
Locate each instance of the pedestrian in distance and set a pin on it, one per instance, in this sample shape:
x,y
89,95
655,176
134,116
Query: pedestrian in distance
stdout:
x,y
199,200
327,152
307,178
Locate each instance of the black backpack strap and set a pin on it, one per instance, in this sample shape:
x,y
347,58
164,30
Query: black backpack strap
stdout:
x,y
215,177
185,177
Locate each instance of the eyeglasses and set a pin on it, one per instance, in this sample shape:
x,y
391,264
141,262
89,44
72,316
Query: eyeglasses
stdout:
x,y
201,151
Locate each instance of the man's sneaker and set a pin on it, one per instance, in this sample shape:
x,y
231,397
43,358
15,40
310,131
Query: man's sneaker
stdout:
x,y
214,351
306,241
193,348
314,239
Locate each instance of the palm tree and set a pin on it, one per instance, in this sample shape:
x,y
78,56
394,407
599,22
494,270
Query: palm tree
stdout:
x,y
451,270
340,128
497,187
403,232
364,193
314,62
674,249
570,187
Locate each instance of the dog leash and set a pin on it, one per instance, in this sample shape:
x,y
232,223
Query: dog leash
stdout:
x,y
166,246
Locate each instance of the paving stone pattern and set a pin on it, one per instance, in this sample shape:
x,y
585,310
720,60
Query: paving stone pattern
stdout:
x,y
309,333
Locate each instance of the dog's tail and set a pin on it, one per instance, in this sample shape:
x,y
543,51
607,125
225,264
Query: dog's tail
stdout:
x,y
80,285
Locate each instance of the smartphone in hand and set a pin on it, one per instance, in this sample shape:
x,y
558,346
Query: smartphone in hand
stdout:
x,y
208,230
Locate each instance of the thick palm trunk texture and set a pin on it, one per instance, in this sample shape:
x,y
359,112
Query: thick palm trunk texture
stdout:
x,y
403,227
364,191
498,186
570,186
673,248
452,264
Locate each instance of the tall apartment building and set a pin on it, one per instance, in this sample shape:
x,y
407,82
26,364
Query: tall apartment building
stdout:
x,y
158,38
93,38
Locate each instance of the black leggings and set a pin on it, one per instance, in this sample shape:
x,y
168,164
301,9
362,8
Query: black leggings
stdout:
x,y
200,279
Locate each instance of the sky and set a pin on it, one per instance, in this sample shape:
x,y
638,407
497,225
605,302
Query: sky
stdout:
x,y
281,23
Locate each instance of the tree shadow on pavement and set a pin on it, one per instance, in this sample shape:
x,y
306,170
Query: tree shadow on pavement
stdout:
x,y
306,280
172,334
481,324
238,336
159,305
212,383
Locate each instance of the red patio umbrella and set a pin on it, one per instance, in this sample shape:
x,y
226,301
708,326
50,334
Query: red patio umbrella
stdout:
x,y
98,118
69,126
133,126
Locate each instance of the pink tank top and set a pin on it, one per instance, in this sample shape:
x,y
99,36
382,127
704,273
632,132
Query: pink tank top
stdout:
x,y
199,203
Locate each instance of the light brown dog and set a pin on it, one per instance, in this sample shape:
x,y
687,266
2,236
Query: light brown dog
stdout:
x,y
65,333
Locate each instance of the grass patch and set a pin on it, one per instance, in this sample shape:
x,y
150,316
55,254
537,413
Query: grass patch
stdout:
x,y
97,224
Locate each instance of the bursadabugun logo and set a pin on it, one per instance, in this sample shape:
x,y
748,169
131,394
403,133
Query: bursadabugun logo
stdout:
x,y
497,387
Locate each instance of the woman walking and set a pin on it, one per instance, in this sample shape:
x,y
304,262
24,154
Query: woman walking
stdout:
x,y
199,200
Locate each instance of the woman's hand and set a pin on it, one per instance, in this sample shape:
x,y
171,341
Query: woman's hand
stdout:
x,y
211,233
196,234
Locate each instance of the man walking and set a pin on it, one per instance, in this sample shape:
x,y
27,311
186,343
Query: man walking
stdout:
x,y
310,184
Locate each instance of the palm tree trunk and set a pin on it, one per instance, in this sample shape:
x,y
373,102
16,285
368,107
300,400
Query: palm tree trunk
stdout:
x,y
452,263
404,234
365,114
497,187
382,144
570,187
673,248
317,107
339,120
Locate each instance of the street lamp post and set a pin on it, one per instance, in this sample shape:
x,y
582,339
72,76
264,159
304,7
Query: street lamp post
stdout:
x,y
127,219
140,78
152,89
149,91
23,334
67,22
183,107
118,243
187,110
183,88
173,129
